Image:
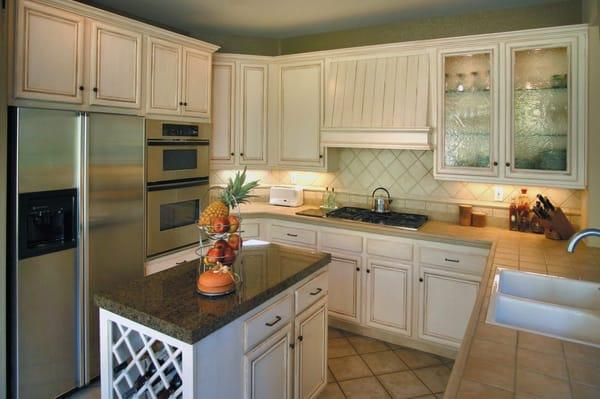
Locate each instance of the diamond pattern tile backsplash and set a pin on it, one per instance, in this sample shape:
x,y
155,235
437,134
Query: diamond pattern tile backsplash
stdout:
x,y
408,175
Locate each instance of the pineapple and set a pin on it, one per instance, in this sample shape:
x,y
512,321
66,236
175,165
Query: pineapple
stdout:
x,y
236,192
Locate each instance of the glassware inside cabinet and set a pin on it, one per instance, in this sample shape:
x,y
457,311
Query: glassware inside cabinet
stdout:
x,y
540,108
467,117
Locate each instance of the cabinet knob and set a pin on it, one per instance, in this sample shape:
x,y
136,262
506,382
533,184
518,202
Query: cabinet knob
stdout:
x,y
368,271
321,156
291,346
81,88
180,102
300,338
507,164
185,104
420,279
232,154
241,154
358,269
495,163
95,89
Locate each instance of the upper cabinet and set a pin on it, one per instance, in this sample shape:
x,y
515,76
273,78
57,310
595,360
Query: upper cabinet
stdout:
x,y
48,54
222,143
378,101
82,57
115,66
253,113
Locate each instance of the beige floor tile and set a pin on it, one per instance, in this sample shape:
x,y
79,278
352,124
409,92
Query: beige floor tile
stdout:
x,y
542,386
475,390
498,334
493,351
338,347
416,359
539,343
367,345
436,378
403,384
345,368
581,391
384,362
334,333
582,353
552,365
490,373
364,388
330,377
331,391
584,373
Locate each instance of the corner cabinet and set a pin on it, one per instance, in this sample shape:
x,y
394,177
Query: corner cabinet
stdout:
x,y
514,111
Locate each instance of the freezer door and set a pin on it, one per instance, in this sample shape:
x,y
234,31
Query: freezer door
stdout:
x,y
114,211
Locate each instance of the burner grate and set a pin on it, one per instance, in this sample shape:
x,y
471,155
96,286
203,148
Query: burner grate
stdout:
x,y
409,221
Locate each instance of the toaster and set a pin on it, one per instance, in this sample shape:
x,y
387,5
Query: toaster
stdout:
x,y
286,196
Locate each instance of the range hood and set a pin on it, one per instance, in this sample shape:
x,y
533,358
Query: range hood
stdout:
x,y
377,102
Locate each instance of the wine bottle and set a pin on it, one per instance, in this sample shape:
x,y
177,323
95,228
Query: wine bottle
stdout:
x,y
142,379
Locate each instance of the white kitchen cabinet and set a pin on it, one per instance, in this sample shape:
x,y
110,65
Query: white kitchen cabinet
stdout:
x,y
268,368
300,114
222,141
389,295
196,83
345,287
115,66
446,300
311,351
49,53
253,114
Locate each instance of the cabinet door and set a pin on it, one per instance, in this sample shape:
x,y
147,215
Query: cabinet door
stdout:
x,y
196,83
164,76
300,114
445,306
268,368
311,351
253,114
223,113
115,66
545,133
344,287
389,295
468,117
49,54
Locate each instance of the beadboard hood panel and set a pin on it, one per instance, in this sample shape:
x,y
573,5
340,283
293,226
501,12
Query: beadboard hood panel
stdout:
x,y
377,102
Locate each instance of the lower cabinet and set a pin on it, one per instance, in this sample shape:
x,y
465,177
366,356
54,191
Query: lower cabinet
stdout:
x,y
344,287
311,350
446,301
389,295
268,367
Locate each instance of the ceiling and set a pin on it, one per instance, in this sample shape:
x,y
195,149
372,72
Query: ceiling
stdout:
x,y
286,18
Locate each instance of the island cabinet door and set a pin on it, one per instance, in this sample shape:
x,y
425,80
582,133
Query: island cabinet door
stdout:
x,y
311,351
268,367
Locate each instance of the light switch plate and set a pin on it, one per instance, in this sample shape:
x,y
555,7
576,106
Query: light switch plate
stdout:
x,y
498,194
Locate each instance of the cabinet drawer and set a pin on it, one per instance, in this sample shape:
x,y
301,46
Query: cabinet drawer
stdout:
x,y
390,249
343,242
310,292
293,235
471,263
263,324
250,230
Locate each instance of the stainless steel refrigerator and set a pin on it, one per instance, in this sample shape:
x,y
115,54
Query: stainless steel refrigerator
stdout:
x,y
76,212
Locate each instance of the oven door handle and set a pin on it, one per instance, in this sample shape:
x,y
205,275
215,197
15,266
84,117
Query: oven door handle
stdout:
x,y
177,143
170,185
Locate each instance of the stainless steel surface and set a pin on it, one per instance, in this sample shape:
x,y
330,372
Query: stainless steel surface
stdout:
x,y
162,240
154,130
381,204
156,167
115,213
580,236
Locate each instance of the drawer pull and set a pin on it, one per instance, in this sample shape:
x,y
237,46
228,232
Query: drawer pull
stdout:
x,y
271,324
315,292
291,235
452,260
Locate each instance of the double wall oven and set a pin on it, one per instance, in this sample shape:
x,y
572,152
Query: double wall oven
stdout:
x,y
177,183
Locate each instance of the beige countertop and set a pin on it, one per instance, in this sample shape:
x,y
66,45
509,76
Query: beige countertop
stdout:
x,y
496,362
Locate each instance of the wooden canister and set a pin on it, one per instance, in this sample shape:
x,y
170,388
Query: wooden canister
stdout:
x,y
464,215
478,219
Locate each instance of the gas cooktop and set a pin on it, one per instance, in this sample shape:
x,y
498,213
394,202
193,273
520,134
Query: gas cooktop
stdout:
x,y
407,221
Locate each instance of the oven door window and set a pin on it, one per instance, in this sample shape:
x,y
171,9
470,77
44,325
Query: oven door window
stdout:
x,y
179,214
180,159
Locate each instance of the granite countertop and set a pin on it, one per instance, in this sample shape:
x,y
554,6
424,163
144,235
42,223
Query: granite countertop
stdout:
x,y
167,301
496,362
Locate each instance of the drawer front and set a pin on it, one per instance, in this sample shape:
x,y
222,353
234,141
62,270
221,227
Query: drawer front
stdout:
x,y
293,235
250,230
311,292
263,324
342,242
390,249
471,263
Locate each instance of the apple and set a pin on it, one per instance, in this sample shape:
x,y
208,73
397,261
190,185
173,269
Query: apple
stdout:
x,y
220,225
228,256
221,244
214,255
234,223
235,241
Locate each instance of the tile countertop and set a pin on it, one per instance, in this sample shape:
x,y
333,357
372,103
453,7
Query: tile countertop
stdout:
x,y
167,301
497,362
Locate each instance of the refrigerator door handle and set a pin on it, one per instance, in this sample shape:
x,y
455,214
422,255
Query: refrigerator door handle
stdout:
x,y
83,287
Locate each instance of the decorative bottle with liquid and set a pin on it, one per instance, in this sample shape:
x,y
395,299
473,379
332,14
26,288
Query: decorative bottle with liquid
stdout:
x,y
513,217
523,211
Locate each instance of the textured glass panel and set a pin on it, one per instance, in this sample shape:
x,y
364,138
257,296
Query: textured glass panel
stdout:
x,y
467,110
541,109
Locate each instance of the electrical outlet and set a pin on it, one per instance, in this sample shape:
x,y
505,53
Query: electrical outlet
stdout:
x,y
498,194
293,178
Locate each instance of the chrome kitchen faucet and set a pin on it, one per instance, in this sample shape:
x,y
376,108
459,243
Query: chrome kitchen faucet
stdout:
x,y
580,236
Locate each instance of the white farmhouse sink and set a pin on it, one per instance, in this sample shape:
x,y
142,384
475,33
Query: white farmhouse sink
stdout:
x,y
546,305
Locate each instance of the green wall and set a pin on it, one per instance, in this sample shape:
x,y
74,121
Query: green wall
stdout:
x,y
554,14
241,44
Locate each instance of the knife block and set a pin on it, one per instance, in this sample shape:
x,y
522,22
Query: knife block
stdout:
x,y
557,227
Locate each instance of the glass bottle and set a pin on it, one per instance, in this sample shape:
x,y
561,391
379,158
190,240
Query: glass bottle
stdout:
x,y
523,210
513,223
325,199
331,200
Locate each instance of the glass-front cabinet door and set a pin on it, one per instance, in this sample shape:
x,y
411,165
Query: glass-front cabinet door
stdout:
x,y
543,103
467,112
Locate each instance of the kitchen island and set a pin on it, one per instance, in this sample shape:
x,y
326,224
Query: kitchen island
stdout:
x,y
268,339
